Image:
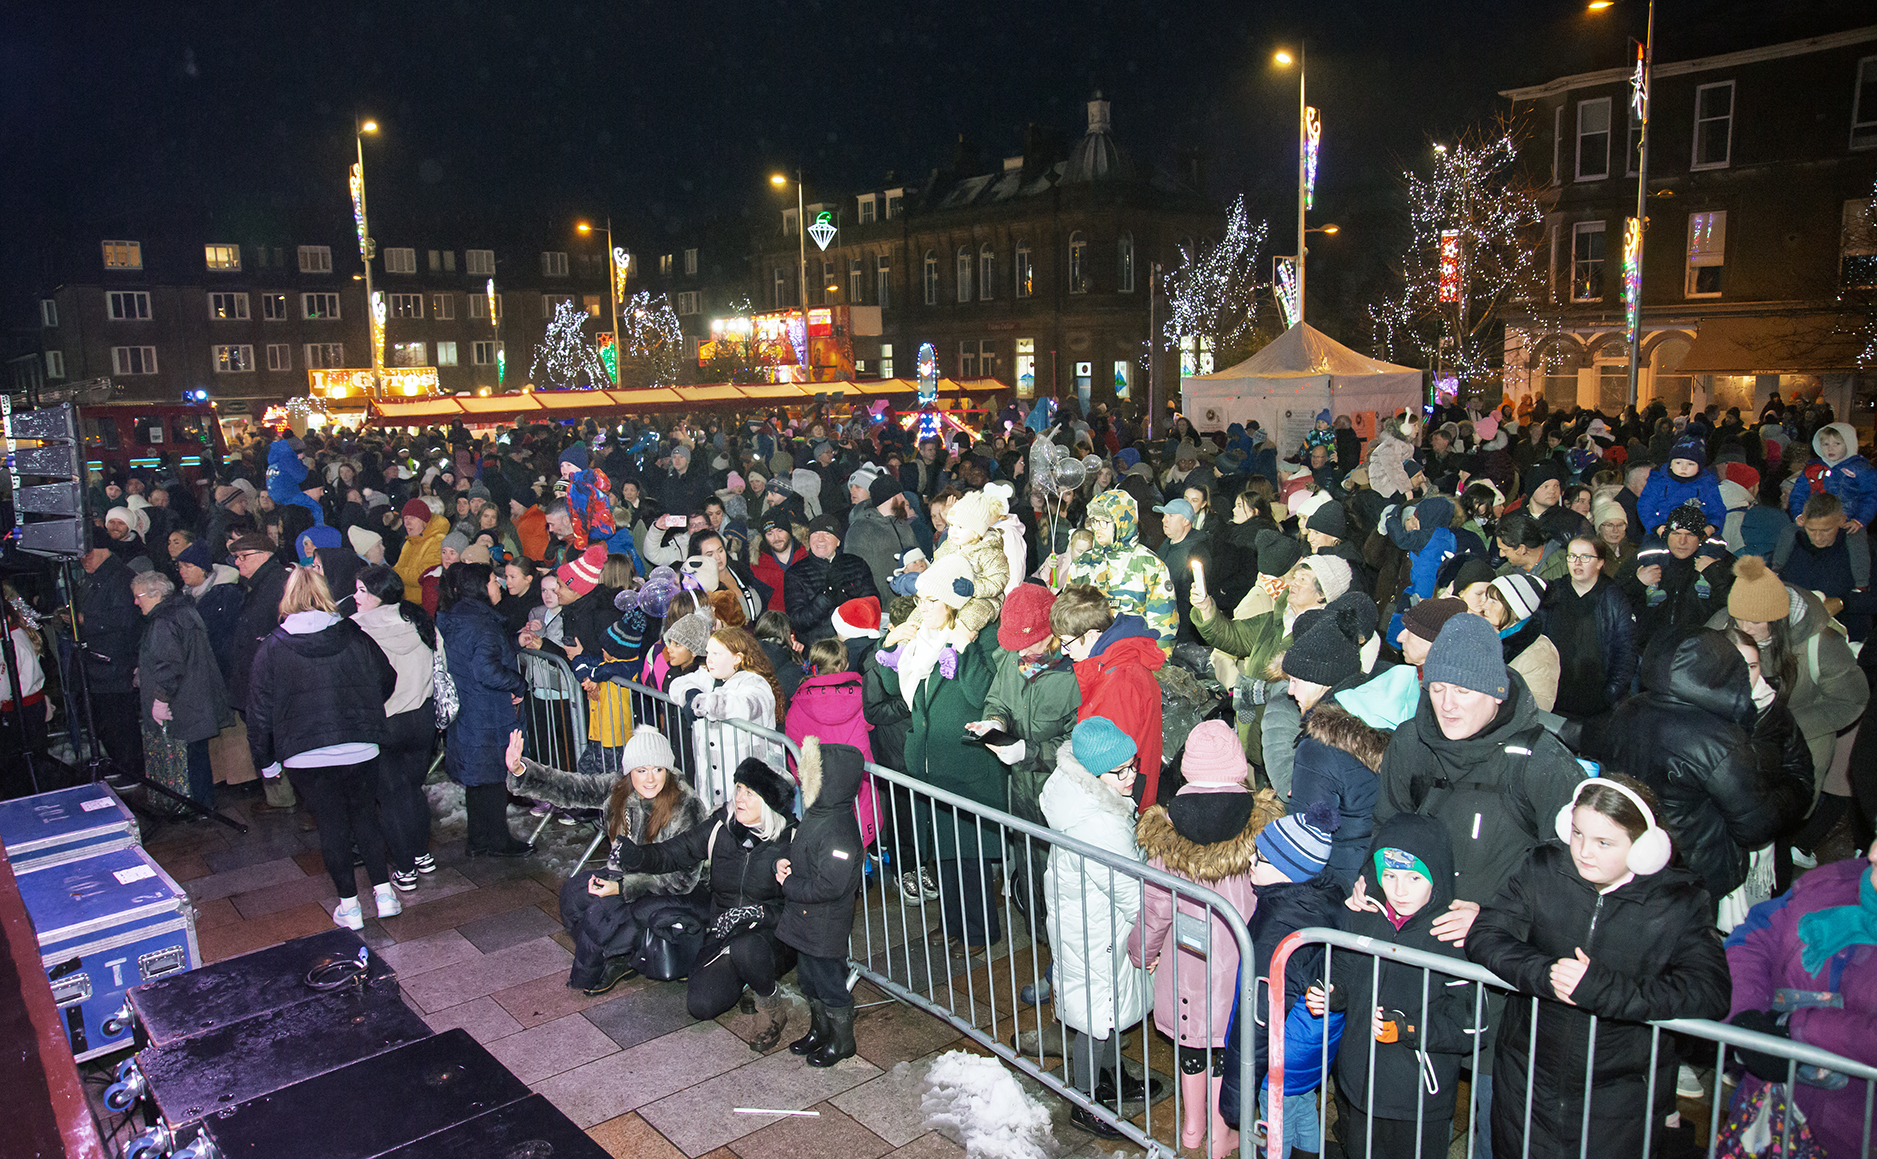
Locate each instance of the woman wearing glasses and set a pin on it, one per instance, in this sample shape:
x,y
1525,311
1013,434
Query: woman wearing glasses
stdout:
x,y
1590,622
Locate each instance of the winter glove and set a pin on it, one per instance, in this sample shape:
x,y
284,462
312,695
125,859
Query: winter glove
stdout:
x,y
1010,754
1761,1065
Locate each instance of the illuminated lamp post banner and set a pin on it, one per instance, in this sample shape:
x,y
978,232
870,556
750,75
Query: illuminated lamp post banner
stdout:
x,y
1632,275
403,381
1287,291
1450,266
1313,137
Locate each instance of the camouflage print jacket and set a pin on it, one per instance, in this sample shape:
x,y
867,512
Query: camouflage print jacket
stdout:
x,y
1133,578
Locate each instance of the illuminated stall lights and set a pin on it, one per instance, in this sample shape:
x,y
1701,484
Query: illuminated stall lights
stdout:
x,y
1313,136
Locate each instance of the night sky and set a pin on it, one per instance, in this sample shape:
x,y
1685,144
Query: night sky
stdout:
x,y
168,114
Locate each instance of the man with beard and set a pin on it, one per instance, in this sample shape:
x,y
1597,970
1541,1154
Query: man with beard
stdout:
x,y
880,531
823,580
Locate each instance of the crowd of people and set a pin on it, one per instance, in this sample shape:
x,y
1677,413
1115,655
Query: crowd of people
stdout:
x,y
1574,696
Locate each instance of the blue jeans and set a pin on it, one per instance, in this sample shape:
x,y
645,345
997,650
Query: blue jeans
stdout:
x,y
1303,1131
1482,1117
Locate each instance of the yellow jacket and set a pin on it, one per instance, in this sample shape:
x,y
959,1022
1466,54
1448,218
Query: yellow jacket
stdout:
x,y
419,556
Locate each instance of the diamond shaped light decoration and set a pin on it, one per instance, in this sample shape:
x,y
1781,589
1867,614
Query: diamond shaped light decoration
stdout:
x,y
824,229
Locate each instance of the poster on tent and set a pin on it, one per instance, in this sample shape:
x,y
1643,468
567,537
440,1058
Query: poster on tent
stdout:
x,y
1364,423
1293,426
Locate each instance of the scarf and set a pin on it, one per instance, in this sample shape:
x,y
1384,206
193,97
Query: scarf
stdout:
x,y
1826,932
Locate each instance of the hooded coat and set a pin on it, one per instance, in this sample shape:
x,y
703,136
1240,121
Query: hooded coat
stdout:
x,y
1132,577
1091,908
1850,478
1391,450
826,856
175,664
1336,761
1654,953
484,667
219,602
285,473
1689,736
971,531
828,707
1117,681
1665,491
1207,836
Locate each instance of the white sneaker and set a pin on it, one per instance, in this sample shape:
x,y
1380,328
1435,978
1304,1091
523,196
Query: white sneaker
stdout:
x,y
387,900
348,914
1688,1083
1802,859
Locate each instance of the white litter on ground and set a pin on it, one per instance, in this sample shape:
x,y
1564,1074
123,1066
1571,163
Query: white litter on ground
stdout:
x,y
976,1103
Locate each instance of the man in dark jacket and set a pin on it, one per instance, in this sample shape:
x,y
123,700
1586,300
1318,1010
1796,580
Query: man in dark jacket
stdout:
x,y
265,579
823,580
177,677
109,627
684,487
880,531
1681,579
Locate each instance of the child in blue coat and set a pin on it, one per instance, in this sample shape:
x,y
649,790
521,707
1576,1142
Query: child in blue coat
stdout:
x,y
1840,470
1685,479
285,475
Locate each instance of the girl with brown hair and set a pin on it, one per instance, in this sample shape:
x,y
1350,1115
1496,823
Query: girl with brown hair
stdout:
x,y
736,683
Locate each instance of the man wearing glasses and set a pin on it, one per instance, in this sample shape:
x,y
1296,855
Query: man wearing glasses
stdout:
x,y
264,579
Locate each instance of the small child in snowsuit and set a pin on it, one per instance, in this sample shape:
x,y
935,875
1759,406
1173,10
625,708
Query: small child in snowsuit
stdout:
x,y
819,879
1839,469
1684,479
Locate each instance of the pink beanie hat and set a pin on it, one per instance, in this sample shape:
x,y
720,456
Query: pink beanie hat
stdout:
x,y
734,483
1214,756
1487,426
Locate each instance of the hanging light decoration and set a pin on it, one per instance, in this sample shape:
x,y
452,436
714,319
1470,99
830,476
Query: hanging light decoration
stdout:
x,y
1313,136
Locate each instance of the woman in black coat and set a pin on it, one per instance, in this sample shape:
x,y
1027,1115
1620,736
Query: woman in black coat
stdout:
x,y
180,683
1590,621
742,845
316,705
1688,736
488,681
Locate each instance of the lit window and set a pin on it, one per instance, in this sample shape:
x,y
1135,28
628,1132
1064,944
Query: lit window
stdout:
x,y
409,354
1026,271
223,257
1078,263
319,306
1026,368
886,360
123,255
1707,249
1587,261
228,307
446,354
234,359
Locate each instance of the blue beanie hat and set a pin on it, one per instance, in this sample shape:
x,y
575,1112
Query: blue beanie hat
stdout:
x,y
1128,456
196,554
1100,745
1323,416
577,455
1693,449
1467,653
1760,530
1298,844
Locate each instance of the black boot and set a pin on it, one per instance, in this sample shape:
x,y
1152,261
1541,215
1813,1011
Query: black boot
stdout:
x,y
840,1041
1128,1090
817,1030
772,1015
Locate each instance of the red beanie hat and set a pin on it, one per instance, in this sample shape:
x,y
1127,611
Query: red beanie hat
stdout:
x,y
1214,756
583,574
857,618
417,509
1025,618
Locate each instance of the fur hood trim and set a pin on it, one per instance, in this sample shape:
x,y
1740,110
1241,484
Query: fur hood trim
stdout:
x,y
1342,730
808,771
1206,863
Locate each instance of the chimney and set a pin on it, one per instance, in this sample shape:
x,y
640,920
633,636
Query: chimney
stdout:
x,y
1098,119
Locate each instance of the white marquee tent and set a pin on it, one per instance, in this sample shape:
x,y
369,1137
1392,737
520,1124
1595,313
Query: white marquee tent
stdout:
x,y
1301,372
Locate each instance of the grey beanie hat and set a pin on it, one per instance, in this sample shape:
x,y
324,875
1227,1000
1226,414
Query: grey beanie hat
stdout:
x,y
647,746
690,632
1467,653
456,541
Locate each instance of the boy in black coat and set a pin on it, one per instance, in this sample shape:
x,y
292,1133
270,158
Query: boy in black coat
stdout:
x,y
818,912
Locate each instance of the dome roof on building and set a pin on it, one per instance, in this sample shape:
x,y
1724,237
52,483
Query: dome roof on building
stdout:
x,y
1096,157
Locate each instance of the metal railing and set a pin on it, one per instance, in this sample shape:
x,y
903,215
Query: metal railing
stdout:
x,y
1479,981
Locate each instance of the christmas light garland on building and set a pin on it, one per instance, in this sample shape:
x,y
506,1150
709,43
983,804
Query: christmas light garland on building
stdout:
x,y
1215,293
566,359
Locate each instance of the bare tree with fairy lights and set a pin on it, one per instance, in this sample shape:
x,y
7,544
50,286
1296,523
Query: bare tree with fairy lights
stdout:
x,y
567,359
1215,294
1857,291
653,341
1474,253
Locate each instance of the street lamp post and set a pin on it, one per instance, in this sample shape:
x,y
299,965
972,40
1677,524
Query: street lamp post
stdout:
x,y
1303,153
801,242
1632,245
374,325
614,288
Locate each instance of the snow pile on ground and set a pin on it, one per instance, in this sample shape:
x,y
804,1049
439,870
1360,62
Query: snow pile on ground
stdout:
x,y
447,810
976,1103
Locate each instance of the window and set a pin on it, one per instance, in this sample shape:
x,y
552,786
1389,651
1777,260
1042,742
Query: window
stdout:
x,y
484,352
1078,263
223,257
868,207
1714,125
687,302
1864,105
1124,265
1123,377
779,288
410,354
829,287
1593,139
886,360
1707,248
400,260
325,355
1557,143
279,356
479,263
316,259
883,281
443,307
123,255
319,306
228,307
987,264
788,223
968,358
1026,272
1634,153
690,262
436,261
274,307
1195,356
446,354
554,264
128,305
1026,368
55,364
591,303
931,278
1587,261
895,207
552,302
407,306
479,306
234,359
48,313
856,282
1858,265
133,360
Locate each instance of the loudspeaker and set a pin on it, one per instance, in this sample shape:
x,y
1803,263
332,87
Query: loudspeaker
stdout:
x,y
58,459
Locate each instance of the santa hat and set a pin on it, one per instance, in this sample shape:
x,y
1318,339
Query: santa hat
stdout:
x,y
857,619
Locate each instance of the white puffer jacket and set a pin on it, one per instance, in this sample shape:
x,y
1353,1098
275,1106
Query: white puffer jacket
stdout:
x,y
718,747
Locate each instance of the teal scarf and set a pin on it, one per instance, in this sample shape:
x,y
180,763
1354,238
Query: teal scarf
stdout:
x,y
1824,933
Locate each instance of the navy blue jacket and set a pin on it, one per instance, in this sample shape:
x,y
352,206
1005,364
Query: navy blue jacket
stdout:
x,y
483,664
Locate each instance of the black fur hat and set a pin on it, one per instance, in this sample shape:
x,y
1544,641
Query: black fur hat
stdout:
x,y
776,790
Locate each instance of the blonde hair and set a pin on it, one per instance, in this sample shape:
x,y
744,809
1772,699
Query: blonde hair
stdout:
x,y
306,591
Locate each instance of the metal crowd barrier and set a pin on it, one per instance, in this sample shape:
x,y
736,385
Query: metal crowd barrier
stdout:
x,y
1479,980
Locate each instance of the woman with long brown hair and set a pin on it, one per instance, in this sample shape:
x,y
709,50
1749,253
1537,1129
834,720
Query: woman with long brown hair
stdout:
x,y
605,911
736,683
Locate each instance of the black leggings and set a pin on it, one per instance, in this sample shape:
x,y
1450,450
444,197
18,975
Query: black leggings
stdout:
x,y
342,797
752,960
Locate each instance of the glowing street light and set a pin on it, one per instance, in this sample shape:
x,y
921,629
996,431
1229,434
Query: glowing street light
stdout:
x,y
615,283
366,248
801,240
1283,58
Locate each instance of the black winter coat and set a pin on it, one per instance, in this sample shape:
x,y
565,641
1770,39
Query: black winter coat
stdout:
x,y
1680,597
814,587
175,664
826,856
1689,736
315,689
112,626
887,713
742,867
1654,953
260,615
1335,761
484,666
1595,635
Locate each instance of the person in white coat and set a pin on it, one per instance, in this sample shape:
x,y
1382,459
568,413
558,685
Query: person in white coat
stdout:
x,y
736,682
1091,911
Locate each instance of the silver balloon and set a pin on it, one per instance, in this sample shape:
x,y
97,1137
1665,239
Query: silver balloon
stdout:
x,y
1092,463
1070,473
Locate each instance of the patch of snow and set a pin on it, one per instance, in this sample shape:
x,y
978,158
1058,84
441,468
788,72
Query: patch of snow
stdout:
x,y
976,1103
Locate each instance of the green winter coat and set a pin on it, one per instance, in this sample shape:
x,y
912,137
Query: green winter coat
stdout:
x,y
1255,640
1041,710
937,754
